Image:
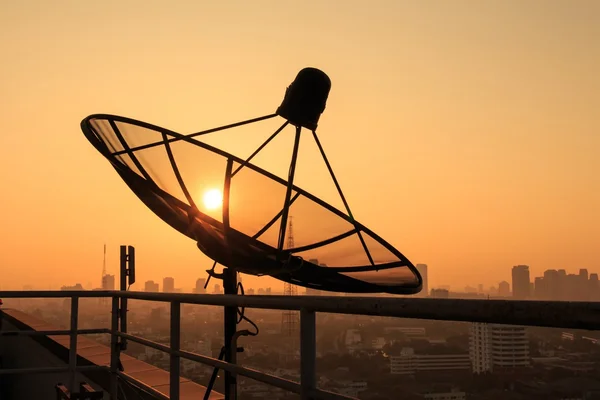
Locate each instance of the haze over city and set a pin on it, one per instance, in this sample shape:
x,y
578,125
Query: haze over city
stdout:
x,y
464,134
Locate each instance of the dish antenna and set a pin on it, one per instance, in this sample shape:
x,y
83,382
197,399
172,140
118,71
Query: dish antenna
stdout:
x,y
242,219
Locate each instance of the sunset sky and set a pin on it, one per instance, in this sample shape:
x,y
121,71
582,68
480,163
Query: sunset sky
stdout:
x,y
465,133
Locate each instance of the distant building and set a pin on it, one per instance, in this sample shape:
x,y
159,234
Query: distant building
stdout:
x,y
504,289
540,291
409,363
108,282
594,287
551,285
411,332
200,286
422,268
216,289
250,291
168,285
440,293
150,286
521,282
313,292
583,287
268,290
77,286
494,346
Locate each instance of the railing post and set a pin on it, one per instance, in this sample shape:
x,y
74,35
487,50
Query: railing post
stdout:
x,y
308,353
73,343
175,346
229,328
123,285
114,348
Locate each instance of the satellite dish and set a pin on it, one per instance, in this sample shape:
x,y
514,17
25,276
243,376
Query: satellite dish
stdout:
x,y
239,214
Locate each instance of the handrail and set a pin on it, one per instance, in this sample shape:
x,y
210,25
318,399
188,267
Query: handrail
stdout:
x,y
553,314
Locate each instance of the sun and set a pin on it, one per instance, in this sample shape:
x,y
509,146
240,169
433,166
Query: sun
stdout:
x,y
213,199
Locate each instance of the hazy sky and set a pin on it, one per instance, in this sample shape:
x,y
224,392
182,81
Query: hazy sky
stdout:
x,y
466,133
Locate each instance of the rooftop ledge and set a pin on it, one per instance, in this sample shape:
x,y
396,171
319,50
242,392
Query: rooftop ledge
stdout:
x,y
90,352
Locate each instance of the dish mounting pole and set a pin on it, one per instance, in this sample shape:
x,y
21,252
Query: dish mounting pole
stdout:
x,y
229,328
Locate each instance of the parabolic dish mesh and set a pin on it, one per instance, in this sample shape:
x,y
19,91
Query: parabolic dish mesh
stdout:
x,y
326,238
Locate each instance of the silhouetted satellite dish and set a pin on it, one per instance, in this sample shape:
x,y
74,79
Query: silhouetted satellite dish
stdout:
x,y
238,213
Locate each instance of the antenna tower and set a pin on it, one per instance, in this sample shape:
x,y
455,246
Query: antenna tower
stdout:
x,y
290,319
103,268
103,300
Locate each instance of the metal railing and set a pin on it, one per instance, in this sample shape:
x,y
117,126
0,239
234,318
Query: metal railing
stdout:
x,y
570,315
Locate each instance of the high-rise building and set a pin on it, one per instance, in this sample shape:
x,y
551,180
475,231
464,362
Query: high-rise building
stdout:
x,y
521,282
422,268
439,294
504,289
200,282
584,294
551,283
168,285
498,347
539,288
594,288
150,286
108,282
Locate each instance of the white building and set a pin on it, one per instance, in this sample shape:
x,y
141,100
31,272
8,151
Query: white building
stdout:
x,y
494,346
409,362
413,332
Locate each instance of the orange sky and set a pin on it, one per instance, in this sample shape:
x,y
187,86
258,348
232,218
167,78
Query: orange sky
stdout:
x,y
465,133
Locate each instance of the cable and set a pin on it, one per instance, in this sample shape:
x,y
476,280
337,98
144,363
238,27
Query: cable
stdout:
x,y
242,310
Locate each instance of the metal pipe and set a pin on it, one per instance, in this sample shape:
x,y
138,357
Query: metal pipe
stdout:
x,y
145,342
54,333
73,344
174,365
51,370
288,192
553,314
192,135
308,349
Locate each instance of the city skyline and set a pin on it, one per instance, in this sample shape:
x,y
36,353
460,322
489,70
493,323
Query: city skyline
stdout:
x,y
504,288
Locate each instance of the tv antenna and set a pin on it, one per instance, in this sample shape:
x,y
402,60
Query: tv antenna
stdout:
x,y
247,234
